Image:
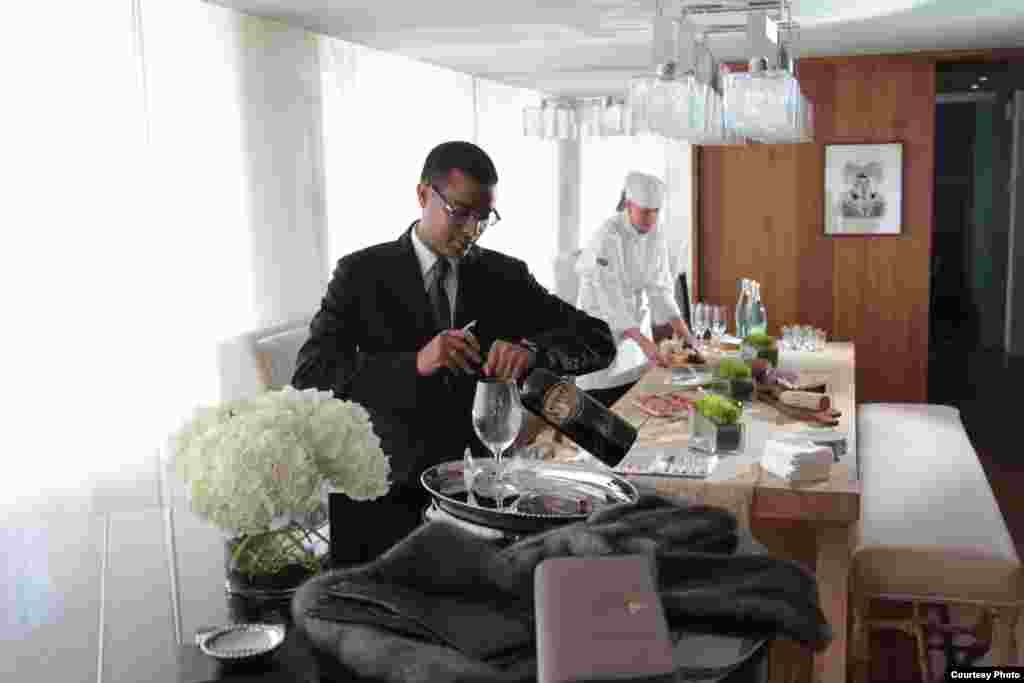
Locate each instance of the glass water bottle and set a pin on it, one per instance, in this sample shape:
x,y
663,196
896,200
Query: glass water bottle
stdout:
x,y
757,322
741,309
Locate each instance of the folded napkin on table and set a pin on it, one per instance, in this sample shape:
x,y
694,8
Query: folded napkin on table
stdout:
x,y
445,605
797,460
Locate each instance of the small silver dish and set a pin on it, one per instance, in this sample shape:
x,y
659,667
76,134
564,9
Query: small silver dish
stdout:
x,y
238,642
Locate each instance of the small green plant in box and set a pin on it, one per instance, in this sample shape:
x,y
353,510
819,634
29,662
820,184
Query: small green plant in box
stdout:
x,y
737,378
715,425
719,409
760,345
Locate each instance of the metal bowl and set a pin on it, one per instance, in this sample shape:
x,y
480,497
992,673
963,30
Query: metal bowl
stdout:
x,y
238,642
556,482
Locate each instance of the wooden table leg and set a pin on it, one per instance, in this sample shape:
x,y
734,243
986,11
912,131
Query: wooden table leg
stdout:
x,y
833,571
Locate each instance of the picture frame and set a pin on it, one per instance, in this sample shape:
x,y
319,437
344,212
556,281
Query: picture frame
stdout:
x,y
864,189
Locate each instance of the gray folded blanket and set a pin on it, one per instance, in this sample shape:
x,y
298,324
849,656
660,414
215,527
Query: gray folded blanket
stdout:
x,y
445,605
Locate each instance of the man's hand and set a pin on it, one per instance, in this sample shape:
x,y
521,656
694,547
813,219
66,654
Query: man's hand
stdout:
x,y
508,361
654,355
657,358
452,349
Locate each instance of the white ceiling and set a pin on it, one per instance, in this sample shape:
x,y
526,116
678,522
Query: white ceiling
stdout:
x,y
592,47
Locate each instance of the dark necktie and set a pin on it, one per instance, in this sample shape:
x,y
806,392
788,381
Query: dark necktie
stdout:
x,y
439,294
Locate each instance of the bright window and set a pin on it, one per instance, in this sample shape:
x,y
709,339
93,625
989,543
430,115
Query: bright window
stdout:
x,y
527,187
604,165
383,113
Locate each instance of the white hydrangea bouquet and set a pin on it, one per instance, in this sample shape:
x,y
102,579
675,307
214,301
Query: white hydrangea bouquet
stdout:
x,y
259,469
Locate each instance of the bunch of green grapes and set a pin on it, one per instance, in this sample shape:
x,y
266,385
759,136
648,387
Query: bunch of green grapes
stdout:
x,y
719,409
759,340
731,368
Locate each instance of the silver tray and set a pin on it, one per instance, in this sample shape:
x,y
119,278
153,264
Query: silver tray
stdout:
x,y
446,486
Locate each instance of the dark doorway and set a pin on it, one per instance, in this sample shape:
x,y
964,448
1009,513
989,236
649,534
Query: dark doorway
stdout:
x,y
973,146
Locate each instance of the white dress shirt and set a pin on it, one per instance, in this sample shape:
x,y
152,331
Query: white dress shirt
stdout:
x,y
617,269
428,260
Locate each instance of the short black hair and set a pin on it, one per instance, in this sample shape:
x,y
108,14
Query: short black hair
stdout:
x,y
461,155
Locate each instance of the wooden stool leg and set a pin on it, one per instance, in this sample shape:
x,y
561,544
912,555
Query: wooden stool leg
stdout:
x,y
922,642
1004,624
860,638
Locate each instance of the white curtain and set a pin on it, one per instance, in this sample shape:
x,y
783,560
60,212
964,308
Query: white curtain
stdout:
x,y
382,115
168,198
677,216
527,189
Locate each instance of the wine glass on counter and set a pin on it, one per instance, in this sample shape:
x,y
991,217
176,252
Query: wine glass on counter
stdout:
x,y
700,323
718,321
497,419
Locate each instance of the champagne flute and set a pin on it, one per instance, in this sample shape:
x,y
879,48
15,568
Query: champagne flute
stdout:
x,y
497,419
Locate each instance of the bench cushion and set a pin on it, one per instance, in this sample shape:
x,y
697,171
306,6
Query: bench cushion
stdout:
x,y
930,524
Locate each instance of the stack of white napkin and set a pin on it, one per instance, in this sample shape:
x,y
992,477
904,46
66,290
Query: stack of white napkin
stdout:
x,y
797,460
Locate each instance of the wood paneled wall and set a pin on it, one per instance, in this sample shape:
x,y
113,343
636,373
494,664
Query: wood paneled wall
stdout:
x,y
762,216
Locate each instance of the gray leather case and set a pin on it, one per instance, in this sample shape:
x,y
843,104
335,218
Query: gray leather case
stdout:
x,y
600,619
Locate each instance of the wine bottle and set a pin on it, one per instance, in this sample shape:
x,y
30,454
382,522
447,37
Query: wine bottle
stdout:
x,y
578,416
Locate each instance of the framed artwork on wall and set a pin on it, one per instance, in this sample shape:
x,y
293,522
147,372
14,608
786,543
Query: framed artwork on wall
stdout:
x,y
864,189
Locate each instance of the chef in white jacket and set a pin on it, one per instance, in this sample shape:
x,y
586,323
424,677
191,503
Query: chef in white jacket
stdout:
x,y
626,261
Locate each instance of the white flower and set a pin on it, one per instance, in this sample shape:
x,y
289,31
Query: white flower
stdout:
x,y
257,464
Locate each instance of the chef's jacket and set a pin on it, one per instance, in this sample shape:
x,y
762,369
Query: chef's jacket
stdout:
x,y
616,269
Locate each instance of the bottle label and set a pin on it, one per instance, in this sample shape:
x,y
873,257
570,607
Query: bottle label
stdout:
x,y
561,404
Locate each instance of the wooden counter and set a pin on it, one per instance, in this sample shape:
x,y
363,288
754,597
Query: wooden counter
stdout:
x,y
812,523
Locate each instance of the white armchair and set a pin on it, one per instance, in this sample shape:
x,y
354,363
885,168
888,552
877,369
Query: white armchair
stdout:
x,y
260,360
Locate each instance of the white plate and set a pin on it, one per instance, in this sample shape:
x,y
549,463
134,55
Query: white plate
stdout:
x,y
241,641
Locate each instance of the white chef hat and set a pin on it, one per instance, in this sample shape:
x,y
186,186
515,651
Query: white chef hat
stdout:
x,y
644,190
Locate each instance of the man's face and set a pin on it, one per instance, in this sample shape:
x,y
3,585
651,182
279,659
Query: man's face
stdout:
x,y
642,218
448,235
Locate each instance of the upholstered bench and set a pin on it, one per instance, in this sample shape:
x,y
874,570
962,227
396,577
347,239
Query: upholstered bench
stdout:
x,y
930,530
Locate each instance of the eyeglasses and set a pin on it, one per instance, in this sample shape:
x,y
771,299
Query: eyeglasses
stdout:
x,y
461,215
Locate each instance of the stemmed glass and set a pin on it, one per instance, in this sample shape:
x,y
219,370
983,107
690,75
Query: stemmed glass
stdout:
x,y
497,419
701,323
717,323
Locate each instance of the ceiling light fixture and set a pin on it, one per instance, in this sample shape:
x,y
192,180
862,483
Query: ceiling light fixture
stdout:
x,y
766,102
678,100
569,119
687,96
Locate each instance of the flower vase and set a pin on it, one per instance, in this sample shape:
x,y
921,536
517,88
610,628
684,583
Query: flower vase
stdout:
x,y
271,565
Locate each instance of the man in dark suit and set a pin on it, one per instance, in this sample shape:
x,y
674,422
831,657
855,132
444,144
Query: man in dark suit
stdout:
x,y
388,334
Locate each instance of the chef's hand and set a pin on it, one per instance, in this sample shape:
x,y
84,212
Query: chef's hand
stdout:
x,y
508,361
654,355
453,349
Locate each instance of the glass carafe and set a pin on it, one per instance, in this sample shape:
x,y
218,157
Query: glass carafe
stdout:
x,y
757,322
742,309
